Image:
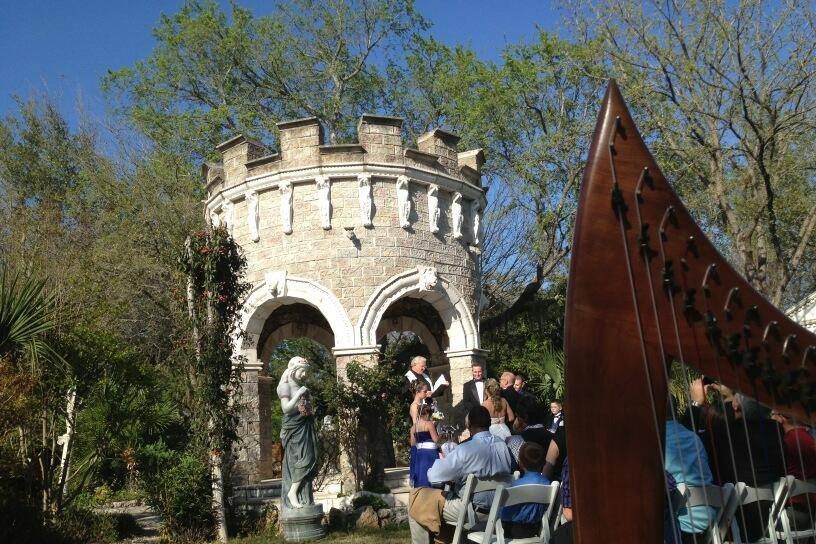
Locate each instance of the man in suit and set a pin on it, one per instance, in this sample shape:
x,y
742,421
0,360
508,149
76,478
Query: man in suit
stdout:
x,y
473,390
508,393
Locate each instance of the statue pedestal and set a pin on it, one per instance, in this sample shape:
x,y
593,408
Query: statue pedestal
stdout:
x,y
302,524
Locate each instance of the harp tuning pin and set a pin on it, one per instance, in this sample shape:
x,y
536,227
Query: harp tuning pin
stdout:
x,y
790,340
810,354
752,314
733,296
770,328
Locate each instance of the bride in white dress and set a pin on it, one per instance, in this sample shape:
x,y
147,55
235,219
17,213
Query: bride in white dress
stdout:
x,y
500,412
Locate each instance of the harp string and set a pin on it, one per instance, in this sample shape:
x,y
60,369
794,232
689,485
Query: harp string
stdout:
x,y
620,210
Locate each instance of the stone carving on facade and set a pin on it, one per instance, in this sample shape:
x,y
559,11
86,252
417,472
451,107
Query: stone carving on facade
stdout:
x,y
427,278
404,201
323,184
457,216
215,219
228,211
253,215
476,215
366,203
285,188
433,207
276,283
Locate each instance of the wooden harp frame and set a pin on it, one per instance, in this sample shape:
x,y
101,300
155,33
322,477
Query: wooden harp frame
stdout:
x,y
646,288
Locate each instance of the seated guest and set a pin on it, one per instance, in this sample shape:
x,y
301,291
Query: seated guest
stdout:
x,y
742,444
524,520
686,461
528,423
483,455
800,461
563,534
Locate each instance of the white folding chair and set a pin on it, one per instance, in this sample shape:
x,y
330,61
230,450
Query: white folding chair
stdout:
x,y
796,488
511,496
467,515
746,496
709,495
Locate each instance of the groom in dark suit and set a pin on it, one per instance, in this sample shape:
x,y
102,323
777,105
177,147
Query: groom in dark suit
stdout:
x,y
473,390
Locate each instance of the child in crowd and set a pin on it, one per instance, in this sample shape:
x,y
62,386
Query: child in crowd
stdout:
x,y
524,520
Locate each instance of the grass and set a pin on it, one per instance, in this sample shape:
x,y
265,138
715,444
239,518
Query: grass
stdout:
x,y
388,535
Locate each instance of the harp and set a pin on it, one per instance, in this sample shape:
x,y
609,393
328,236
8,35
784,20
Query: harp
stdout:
x,y
646,287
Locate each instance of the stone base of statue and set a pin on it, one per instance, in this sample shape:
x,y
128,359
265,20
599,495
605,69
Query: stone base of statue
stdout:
x,y
302,524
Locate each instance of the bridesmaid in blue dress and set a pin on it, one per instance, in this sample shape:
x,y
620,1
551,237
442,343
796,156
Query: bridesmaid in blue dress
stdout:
x,y
423,447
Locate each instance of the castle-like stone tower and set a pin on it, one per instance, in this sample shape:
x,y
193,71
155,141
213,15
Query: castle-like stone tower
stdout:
x,y
347,242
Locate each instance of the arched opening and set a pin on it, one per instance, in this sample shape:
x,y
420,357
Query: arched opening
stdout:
x,y
296,329
410,327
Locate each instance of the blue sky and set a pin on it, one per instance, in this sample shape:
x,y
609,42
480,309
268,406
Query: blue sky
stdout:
x,y
64,47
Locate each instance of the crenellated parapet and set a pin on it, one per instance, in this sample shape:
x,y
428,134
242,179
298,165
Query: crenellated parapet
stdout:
x,y
249,171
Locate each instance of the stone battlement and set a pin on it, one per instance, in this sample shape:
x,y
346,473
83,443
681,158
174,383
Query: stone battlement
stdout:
x,y
302,145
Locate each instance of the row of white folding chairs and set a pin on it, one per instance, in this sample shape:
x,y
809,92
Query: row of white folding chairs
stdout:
x,y
505,495
778,524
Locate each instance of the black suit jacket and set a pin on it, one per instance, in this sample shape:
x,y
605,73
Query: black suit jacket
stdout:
x,y
511,396
470,395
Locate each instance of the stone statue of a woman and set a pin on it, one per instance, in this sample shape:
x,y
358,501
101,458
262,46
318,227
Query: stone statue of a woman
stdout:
x,y
297,436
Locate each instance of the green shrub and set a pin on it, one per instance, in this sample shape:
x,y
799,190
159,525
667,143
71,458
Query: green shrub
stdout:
x,y
373,501
76,525
178,485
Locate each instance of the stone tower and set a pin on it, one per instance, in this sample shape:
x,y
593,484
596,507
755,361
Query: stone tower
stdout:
x,y
347,242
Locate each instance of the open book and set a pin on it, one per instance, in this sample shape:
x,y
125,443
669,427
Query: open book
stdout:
x,y
441,381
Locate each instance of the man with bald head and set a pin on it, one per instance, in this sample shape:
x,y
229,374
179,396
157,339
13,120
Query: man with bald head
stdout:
x,y
508,392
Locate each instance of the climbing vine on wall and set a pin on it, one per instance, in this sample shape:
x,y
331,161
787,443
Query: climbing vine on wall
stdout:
x,y
215,268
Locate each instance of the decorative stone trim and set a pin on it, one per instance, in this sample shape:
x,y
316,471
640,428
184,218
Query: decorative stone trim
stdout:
x,y
433,207
286,210
404,201
228,212
366,202
253,215
448,302
457,216
323,184
476,217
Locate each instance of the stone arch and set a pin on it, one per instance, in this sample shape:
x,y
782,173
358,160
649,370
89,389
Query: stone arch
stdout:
x,y
278,289
407,323
322,336
441,294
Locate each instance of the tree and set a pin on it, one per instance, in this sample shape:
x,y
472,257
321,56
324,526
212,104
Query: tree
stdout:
x,y
212,76
726,92
533,114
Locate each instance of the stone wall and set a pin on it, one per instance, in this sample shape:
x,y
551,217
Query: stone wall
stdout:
x,y
350,269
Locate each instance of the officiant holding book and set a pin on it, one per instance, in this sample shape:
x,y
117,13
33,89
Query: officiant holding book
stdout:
x,y
418,371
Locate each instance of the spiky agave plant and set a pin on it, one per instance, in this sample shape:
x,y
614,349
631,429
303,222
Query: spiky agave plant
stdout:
x,y
27,316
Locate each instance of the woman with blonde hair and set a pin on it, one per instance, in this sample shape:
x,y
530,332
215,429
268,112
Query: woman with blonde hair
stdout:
x,y
500,412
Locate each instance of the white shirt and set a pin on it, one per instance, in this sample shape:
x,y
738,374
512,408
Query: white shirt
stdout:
x,y
480,390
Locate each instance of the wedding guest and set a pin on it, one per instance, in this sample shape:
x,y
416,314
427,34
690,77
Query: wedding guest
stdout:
x,y
423,447
419,366
519,384
800,462
507,391
473,389
500,411
421,391
557,410
483,455
524,520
